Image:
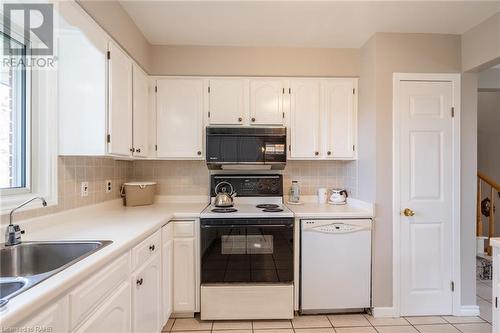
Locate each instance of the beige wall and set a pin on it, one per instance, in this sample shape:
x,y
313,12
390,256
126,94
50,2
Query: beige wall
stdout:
x,y
490,78
111,16
74,170
390,53
481,44
221,60
468,170
192,177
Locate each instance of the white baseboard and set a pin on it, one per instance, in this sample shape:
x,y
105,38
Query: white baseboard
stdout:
x,y
381,312
468,311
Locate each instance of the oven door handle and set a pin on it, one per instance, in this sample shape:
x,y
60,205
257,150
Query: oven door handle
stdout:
x,y
207,226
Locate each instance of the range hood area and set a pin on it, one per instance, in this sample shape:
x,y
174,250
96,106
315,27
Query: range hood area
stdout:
x,y
246,148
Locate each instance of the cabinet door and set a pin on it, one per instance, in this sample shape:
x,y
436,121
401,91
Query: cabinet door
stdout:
x,y
167,260
266,102
120,102
179,127
227,101
146,296
81,75
114,315
304,118
140,112
54,318
338,97
184,275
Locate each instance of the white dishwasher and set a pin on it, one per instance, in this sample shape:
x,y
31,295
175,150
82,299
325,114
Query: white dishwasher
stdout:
x,y
335,267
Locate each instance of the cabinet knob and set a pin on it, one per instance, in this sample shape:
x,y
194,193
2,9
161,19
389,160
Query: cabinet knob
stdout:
x,y
253,120
240,119
329,153
139,282
316,153
138,150
151,248
199,153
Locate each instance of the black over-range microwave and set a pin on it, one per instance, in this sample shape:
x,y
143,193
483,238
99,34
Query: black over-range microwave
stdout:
x,y
251,148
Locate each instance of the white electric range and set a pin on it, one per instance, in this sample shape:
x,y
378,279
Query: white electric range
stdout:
x,y
247,251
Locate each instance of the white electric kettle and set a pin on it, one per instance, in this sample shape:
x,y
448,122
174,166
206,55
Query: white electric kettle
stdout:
x,y
338,196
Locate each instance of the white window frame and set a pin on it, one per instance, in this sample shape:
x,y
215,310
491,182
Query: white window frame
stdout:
x,y
41,138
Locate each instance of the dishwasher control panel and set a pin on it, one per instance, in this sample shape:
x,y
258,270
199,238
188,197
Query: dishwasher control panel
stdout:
x,y
336,226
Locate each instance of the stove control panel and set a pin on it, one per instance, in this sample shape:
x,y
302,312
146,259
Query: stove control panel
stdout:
x,y
249,185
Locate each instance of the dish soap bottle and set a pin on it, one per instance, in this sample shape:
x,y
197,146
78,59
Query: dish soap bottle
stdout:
x,y
294,193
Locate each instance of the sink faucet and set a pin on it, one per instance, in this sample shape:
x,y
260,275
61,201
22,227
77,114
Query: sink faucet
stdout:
x,y
14,232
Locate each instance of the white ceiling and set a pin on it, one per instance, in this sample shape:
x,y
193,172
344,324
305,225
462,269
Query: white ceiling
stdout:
x,y
299,23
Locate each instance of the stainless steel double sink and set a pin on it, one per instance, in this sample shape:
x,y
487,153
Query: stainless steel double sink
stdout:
x,y
24,265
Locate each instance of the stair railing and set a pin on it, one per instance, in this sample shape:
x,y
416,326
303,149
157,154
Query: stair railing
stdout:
x,y
494,192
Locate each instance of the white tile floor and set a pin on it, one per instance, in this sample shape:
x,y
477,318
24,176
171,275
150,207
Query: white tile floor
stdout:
x,y
350,323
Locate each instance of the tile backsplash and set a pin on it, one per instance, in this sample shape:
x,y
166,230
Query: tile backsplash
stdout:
x,y
174,178
192,177
74,170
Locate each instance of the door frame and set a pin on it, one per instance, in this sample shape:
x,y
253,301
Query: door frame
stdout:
x,y
454,78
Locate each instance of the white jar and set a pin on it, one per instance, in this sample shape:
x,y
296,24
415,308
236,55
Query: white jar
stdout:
x,y
322,195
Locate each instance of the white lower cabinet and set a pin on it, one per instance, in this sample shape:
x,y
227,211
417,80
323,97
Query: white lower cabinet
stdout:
x,y
53,318
146,296
496,289
112,316
167,257
137,292
184,267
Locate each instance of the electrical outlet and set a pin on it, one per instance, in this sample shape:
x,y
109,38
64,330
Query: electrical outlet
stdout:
x,y
84,189
108,186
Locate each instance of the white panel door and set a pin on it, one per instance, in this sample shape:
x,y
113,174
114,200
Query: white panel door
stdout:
x,y
140,112
426,188
120,102
226,101
112,316
266,102
179,112
338,96
54,317
146,297
305,119
184,275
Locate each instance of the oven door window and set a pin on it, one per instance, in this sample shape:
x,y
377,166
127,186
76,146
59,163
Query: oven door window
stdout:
x,y
247,254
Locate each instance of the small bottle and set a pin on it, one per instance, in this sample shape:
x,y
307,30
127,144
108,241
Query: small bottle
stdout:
x,y
294,194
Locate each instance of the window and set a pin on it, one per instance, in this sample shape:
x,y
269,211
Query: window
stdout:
x,y
14,123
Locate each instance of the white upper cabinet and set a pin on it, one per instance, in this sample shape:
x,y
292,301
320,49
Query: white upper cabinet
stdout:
x,y
266,101
120,102
304,118
140,93
81,75
339,103
179,122
227,101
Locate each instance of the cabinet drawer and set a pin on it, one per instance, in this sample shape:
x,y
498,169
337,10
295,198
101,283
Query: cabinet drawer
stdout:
x,y
184,228
85,298
167,233
146,249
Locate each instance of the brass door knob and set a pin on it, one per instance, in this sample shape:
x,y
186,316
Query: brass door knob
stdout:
x,y
408,212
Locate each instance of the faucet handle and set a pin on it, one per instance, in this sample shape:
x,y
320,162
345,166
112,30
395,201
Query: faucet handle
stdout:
x,y
13,234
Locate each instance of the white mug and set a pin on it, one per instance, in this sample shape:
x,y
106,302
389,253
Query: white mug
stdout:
x,y
322,195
